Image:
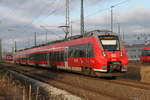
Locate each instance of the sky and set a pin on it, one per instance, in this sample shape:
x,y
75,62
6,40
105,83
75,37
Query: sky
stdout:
x,y
20,19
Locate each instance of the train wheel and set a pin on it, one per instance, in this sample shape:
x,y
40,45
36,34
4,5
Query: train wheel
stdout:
x,y
114,77
37,65
86,70
54,68
92,73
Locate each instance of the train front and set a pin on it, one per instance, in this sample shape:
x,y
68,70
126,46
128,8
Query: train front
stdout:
x,y
111,55
145,57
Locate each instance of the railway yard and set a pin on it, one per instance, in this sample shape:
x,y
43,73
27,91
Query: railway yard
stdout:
x,y
48,52
128,87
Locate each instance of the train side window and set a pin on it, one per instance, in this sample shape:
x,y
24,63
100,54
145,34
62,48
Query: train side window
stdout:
x,y
62,56
53,56
83,50
43,56
71,52
32,56
38,57
56,56
90,50
82,53
50,56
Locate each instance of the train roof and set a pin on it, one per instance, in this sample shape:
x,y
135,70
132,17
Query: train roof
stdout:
x,y
91,33
101,32
87,34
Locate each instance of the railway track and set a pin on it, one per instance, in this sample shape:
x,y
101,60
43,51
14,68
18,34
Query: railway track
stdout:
x,y
132,83
88,87
74,89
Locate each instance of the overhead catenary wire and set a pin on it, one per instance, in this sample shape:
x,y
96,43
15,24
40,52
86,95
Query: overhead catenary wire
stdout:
x,y
111,7
55,9
50,13
75,21
32,21
100,10
122,2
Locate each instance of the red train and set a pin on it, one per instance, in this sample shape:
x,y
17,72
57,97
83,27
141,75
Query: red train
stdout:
x,y
7,58
145,57
96,52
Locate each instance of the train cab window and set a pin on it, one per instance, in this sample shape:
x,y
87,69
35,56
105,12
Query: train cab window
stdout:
x,y
110,43
146,53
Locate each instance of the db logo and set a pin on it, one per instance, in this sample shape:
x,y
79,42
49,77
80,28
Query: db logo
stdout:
x,y
113,55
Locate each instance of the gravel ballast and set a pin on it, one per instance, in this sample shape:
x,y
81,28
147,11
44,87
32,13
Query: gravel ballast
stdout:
x,y
54,92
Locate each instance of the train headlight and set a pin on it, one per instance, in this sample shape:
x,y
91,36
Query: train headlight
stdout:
x,y
121,53
104,54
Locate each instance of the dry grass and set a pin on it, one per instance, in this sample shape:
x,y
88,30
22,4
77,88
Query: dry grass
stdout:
x,y
145,74
12,89
9,89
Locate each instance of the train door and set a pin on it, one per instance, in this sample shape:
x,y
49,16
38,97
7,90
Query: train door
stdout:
x,y
87,51
27,59
66,59
47,59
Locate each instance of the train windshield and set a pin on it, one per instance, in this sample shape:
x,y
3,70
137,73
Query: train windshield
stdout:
x,y
110,43
146,53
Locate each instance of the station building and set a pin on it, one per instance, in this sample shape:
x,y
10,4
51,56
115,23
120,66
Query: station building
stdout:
x,y
134,51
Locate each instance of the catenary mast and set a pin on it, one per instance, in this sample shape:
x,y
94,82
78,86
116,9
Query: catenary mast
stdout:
x,y
67,18
82,19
